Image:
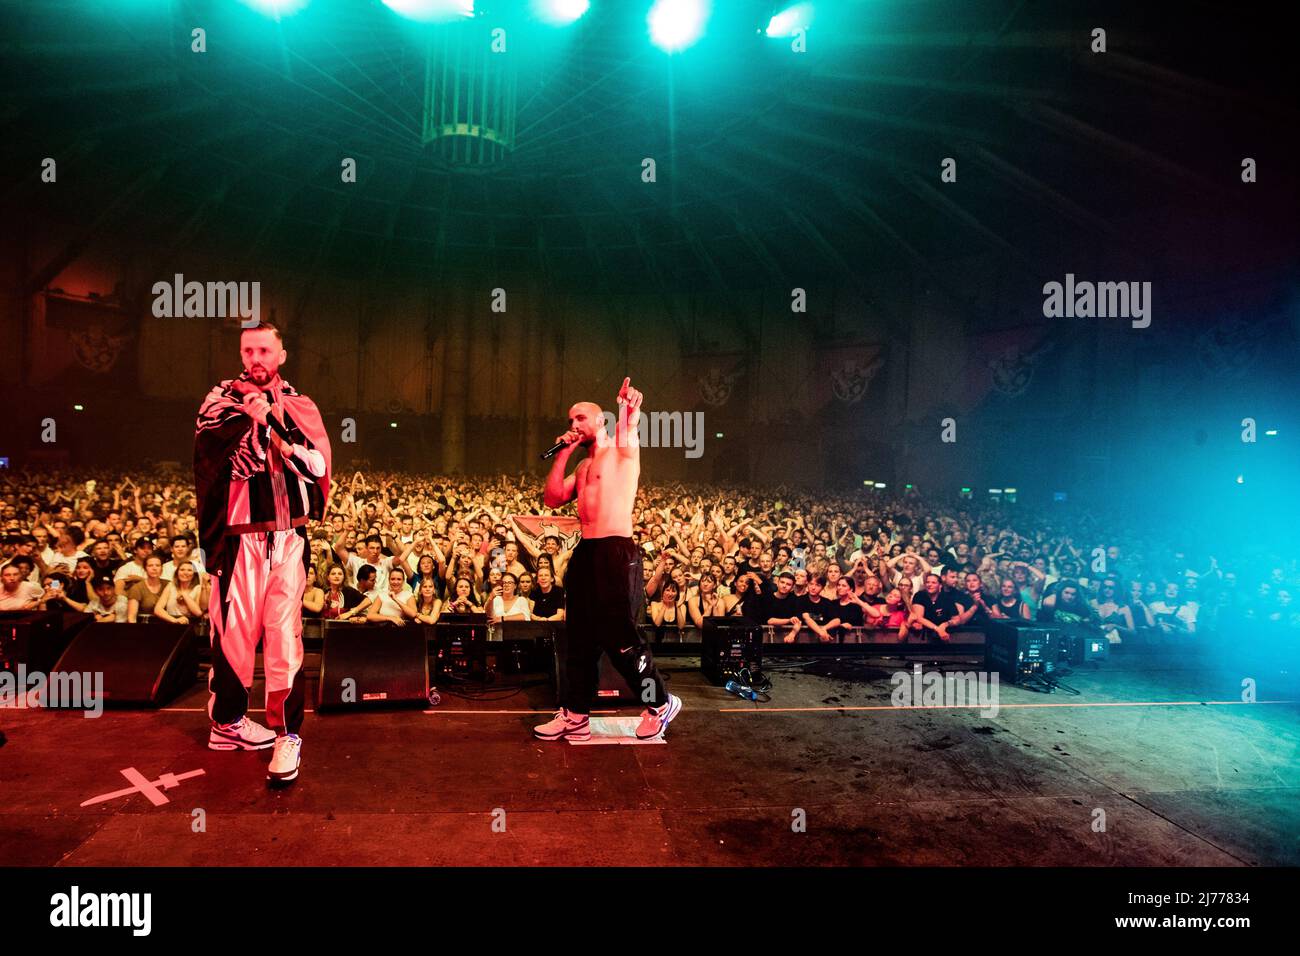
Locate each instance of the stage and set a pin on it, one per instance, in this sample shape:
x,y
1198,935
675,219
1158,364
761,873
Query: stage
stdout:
x,y
1185,773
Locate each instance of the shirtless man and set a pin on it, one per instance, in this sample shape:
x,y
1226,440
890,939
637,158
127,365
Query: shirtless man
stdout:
x,y
603,582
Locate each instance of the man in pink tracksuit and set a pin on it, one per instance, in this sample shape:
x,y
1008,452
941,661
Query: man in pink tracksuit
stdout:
x,y
261,471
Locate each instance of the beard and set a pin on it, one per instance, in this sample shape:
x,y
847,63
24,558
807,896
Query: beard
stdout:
x,y
259,374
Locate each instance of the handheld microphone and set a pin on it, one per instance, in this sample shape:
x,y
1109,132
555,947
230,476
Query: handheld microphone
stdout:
x,y
274,422
554,450
247,391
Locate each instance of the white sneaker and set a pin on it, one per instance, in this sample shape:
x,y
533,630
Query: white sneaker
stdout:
x,y
564,725
243,734
654,721
285,760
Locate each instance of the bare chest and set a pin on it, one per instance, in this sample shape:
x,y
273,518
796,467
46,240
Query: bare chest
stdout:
x,y
605,480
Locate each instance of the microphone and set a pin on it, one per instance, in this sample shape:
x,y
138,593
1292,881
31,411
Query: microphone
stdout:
x,y
276,425
248,391
555,449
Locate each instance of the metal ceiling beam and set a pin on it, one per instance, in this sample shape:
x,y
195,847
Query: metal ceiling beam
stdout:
x,y
859,207
218,195
602,282
1158,79
760,251
1076,129
653,267
779,201
943,131
729,307
827,249
272,219
752,185
91,130
656,273
1049,196
134,192
943,203
970,39
995,91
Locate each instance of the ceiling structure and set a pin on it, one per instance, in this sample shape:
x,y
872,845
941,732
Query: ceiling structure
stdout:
x,y
771,166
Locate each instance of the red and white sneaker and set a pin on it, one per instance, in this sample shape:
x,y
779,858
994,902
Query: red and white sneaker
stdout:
x,y
286,759
243,734
564,725
655,720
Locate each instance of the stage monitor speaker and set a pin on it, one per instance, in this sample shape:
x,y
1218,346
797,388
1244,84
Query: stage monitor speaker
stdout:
x,y
1019,650
727,648
610,686
523,644
461,646
37,639
144,665
366,665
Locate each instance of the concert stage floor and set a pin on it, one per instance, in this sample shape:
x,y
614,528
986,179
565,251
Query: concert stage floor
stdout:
x,y
1180,783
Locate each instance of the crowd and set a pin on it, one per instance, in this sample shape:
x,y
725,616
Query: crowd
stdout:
x,y
403,548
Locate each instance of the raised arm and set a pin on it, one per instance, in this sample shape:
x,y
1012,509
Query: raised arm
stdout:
x,y
340,550
629,416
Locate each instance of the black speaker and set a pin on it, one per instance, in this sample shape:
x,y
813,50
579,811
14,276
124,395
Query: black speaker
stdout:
x,y
728,646
610,686
1017,650
37,638
143,664
365,665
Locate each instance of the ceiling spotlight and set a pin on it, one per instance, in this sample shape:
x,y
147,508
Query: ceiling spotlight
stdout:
x,y
276,8
790,20
559,12
432,11
676,24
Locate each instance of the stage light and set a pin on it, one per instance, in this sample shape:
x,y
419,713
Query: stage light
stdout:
x,y
676,24
908,487
432,11
880,484
791,20
1010,491
559,12
276,8
718,435
392,424
78,408
1241,479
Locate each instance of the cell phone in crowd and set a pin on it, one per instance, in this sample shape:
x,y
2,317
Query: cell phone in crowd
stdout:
x,y
56,585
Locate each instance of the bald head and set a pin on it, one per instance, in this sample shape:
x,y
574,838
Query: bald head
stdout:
x,y
586,418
